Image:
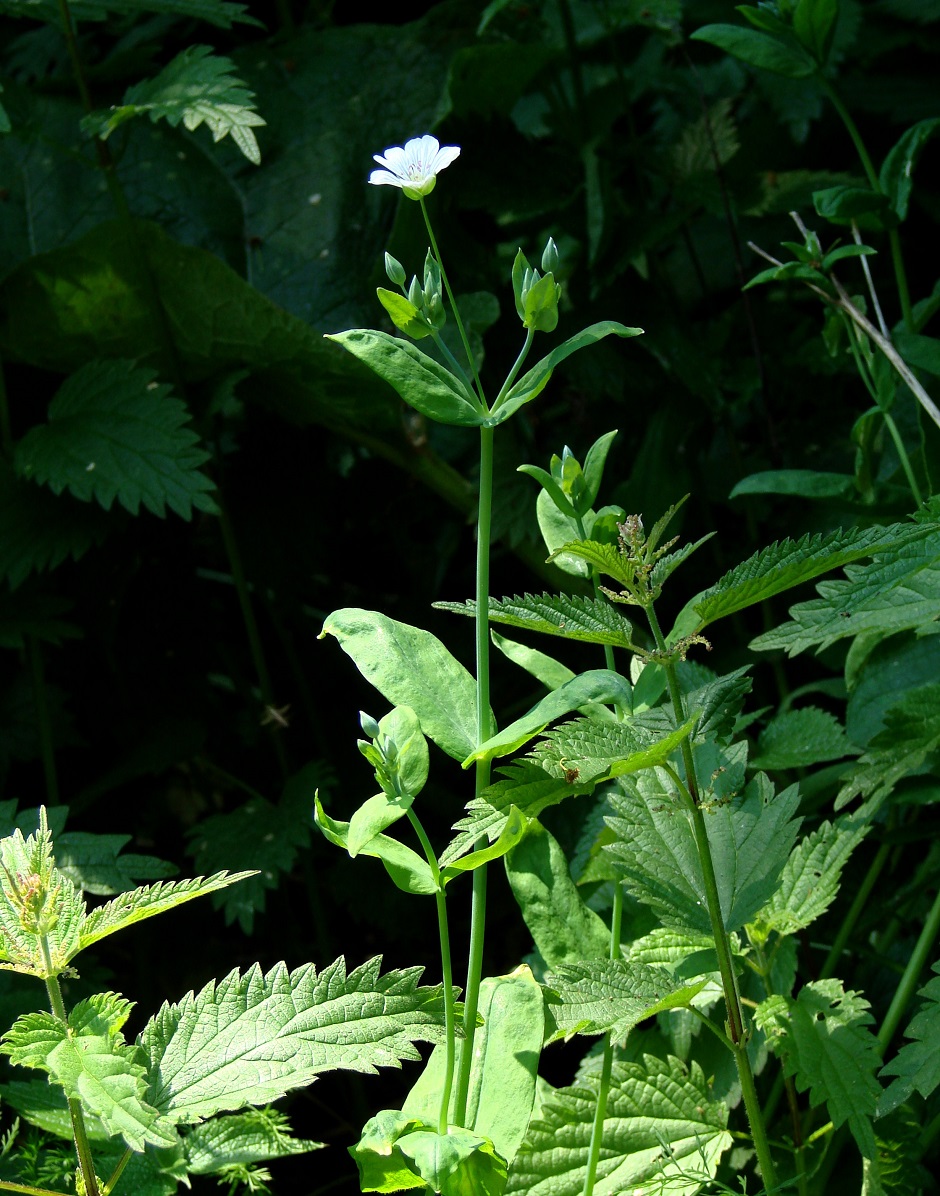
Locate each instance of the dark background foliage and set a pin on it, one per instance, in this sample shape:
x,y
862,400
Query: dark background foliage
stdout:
x,y
651,159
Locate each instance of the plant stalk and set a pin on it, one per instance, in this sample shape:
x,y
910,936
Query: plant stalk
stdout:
x,y
603,1091
79,1133
909,981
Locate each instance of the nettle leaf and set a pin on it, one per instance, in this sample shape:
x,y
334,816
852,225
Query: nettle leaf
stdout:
x,y
802,737
911,734
88,1057
715,706
782,566
900,589
95,863
46,1106
113,433
810,880
139,904
750,834
587,620
250,1137
660,1129
823,1039
220,13
917,1064
595,749
197,87
249,1038
38,531
611,995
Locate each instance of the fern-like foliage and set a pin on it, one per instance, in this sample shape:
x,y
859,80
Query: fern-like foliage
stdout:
x,y
113,433
662,1132
196,87
572,617
611,995
783,565
911,734
823,1038
249,1038
917,1064
810,879
898,590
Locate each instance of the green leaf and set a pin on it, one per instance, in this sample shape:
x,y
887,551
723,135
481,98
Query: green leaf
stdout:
x,y
814,23
504,1070
896,174
411,667
596,685
917,1063
408,870
845,204
45,1105
823,1038
250,1137
220,13
612,995
196,87
751,836
128,909
563,928
782,566
911,734
249,1038
512,833
898,590
113,433
90,1060
94,863
810,879
396,1152
416,378
758,49
544,668
661,1131
803,483
39,531
593,749
922,352
573,617
403,314
532,383
800,738
594,463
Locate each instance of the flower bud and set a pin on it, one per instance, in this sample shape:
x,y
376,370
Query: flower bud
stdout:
x,y
415,294
550,256
395,270
369,726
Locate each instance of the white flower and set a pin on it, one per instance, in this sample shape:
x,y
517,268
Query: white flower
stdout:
x,y
414,168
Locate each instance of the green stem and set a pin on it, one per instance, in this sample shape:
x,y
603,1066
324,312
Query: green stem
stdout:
x,y
447,973
595,581
513,373
453,302
600,1108
118,1171
909,981
458,368
902,454
855,911
43,721
8,1186
737,1030
79,1133
482,775
900,274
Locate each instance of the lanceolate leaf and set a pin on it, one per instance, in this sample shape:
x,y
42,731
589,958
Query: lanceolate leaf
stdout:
x,y
917,1064
661,1130
196,87
750,834
759,49
249,1038
139,904
824,1041
570,616
411,667
409,871
114,434
90,1060
782,566
612,995
896,176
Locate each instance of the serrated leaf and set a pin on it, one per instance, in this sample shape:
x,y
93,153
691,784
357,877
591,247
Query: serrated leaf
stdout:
x,y
594,749
573,617
823,1038
750,835
605,558
46,1106
715,705
196,87
96,863
917,1064
651,1105
250,1137
114,434
783,565
90,1060
810,879
611,995
139,904
759,49
249,1038
799,738
911,734
898,590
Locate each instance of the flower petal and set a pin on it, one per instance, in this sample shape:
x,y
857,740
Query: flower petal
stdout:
x,y
444,157
378,177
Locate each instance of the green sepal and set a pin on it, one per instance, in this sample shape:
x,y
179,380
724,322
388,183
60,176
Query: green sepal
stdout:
x,y
408,870
403,313
541,305
520,266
